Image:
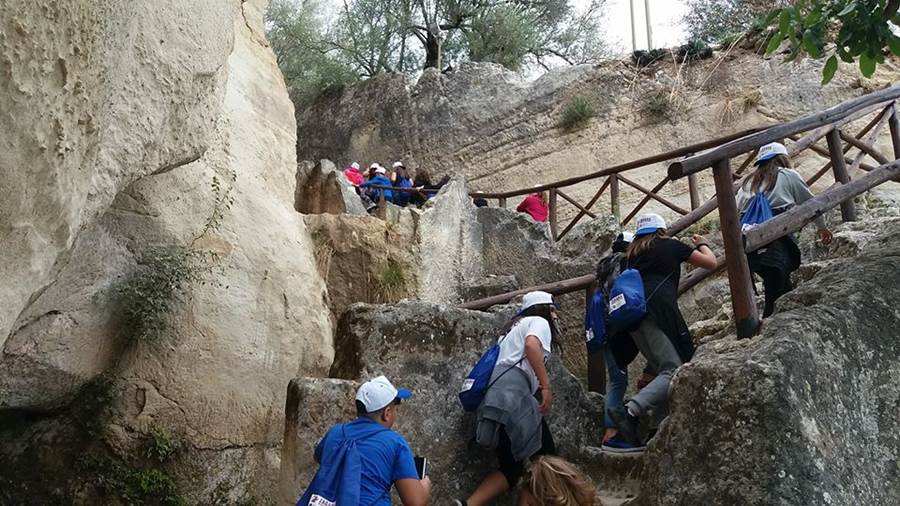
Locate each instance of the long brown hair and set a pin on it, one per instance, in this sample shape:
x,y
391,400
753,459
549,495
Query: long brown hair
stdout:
x,y
765,176
642,243
552,481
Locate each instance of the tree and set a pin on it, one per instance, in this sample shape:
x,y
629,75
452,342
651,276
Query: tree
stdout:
x,y
715,20
851,30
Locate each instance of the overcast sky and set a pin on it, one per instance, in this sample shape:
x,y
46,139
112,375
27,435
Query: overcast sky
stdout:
x,y
665,20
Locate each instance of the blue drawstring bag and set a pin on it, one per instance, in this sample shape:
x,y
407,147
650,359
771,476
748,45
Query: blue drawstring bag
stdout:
x,y
595,322
337,482
759,211
627,305
479,378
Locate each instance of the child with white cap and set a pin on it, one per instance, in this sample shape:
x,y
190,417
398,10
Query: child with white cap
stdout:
x,y
783,188
662,337
510,419
385,457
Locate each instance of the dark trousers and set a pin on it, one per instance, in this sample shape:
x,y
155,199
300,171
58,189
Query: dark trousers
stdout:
x,y
513,469
776,282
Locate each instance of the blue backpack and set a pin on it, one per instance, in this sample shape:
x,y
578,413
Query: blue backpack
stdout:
x,y
759,211
595,322
337,482
627,304
479,381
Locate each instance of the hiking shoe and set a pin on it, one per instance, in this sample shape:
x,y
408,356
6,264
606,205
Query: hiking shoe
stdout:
x,y
618,444
627,425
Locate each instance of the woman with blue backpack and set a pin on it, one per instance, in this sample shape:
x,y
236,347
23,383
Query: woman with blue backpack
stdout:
x,y
773,188
510,418
660,334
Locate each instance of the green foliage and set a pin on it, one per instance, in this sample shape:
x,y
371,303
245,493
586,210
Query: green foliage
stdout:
x,y
860,29
93,398
658,106
725,20
149,292
577,113
695,49
134,487
643,58
160,445
371,37
392,282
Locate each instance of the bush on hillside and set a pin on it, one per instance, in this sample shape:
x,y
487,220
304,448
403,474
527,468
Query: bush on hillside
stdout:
x,y
577,113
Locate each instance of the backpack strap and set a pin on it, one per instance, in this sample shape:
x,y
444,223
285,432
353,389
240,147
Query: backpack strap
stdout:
x,y
658,286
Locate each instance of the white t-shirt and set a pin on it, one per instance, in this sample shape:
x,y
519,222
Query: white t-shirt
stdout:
x,y
512,346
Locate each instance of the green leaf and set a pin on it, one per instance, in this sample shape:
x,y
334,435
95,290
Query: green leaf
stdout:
x,y
775,42
866,64
830,68
847,10
811,45
784,21
894,44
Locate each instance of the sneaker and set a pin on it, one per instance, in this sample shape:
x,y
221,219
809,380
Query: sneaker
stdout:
x,y
618,444
627,425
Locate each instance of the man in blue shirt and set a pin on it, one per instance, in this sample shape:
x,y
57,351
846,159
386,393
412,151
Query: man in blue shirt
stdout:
x,y
385,456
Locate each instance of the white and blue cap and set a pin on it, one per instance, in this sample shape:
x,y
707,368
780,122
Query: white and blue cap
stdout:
x,y
649,224
770,150
378,393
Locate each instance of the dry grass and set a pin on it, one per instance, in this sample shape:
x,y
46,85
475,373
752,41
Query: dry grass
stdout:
x,y
737,105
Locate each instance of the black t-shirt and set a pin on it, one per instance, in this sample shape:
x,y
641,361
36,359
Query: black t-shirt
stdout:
x,y
664,258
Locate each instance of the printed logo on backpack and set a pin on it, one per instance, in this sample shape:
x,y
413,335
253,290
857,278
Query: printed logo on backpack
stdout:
x,y
337,481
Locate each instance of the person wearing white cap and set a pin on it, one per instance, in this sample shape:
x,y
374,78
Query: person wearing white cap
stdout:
x,y
378,178
783,188
354,177
510,419
662,337
385,457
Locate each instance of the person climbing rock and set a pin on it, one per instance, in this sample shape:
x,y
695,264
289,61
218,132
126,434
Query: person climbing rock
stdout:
x,y
662,337
535,205
510,419
552,481
783,188
384,456
401,180
353,175
380,179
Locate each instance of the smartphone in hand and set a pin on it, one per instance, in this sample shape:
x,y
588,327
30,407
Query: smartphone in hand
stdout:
x,y
421,465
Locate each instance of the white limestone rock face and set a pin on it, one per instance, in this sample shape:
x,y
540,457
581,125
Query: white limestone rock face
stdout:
x,y
217,376
95,95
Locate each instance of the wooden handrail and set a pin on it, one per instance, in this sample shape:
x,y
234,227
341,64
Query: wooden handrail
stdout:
x,y
819,119
615,169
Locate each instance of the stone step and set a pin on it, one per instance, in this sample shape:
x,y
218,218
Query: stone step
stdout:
x,y
617,476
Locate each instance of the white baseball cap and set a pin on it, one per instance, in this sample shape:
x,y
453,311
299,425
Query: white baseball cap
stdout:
x,y
355,165
770,150
649,223
398,164
535,298
377,393
374,165
380,170
626,236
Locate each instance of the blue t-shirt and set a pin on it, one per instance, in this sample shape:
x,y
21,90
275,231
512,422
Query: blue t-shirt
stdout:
x,y
385,458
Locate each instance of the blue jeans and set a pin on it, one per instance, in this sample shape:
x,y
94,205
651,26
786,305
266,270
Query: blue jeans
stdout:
x,y
615,387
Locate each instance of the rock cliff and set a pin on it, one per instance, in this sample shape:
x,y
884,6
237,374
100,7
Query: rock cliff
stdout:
x,y
171,130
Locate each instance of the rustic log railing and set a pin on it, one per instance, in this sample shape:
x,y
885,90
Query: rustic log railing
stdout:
x,y
851,177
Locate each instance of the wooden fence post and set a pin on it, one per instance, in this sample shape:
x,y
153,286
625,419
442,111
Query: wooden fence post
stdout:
x,y
553,218
596,365
894,124
694,191
746,316
614,195
836,151
382,206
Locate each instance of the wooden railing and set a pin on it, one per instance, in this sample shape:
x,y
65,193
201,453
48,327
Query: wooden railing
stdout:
x,y
846,171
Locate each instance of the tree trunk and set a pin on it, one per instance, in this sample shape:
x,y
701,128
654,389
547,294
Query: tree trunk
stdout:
x,y
432,50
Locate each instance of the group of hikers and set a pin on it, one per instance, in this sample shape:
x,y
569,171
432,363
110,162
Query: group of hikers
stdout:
x,y
378,182
511,409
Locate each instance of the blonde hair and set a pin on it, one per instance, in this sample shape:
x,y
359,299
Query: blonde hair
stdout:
x,y
552,481
642,243
765,176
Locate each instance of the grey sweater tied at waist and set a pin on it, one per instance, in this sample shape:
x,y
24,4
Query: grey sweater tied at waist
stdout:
x,y
509,404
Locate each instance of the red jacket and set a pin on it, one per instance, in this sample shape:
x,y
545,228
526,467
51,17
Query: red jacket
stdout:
x,y
534,206
353,176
